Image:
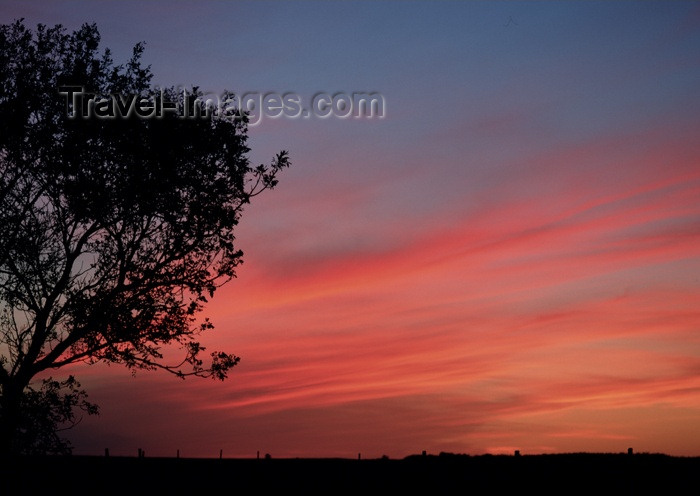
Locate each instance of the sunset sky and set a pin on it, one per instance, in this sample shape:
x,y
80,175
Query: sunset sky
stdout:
x,y
508,259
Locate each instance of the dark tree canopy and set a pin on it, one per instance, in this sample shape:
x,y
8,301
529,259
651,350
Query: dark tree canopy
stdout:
x,y
114,232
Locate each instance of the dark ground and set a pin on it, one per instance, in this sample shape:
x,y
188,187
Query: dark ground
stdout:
x,y
445,474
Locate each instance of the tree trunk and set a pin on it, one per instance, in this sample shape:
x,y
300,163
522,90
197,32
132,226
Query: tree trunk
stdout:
x,y
10,401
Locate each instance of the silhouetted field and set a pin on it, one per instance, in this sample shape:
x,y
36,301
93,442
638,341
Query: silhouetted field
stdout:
x,y
579,473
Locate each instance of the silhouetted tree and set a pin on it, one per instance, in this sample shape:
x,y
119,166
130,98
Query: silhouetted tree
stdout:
x,y
46,412
113,231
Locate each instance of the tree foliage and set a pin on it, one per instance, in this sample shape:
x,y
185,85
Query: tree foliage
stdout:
x,y
114,233
48,410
